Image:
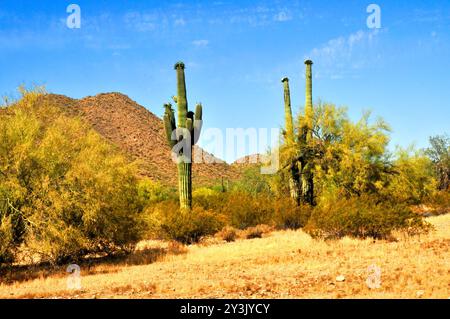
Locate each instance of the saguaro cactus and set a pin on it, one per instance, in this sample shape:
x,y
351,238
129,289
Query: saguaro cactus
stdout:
x,y
307,178
182,138
289,123
293,175
309,113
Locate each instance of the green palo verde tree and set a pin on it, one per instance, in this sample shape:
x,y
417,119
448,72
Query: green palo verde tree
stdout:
x,y
182,138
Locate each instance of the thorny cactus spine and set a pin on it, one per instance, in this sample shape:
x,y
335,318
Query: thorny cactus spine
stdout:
x,y
183,138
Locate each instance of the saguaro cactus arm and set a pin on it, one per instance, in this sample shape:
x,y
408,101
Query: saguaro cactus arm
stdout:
x,y
289,123
181,98
308,100
169,124
198,123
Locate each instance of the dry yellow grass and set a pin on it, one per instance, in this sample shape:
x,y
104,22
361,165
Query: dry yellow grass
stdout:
x,y
286,264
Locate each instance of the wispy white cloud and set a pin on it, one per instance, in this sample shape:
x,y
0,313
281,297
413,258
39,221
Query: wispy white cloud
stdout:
x,y
262,15
141,22
200,43
282,16
343,55
179,22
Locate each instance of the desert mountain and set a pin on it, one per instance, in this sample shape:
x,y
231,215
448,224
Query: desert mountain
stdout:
x,y
140,134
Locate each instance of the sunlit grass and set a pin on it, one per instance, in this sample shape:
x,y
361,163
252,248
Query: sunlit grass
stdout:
x,y
283,264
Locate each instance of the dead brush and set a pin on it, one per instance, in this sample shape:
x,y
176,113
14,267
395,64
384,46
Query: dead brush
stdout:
x,y
228,234
257,231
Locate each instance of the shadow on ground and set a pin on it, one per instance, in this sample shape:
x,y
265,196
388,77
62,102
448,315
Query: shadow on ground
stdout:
x,y
89,265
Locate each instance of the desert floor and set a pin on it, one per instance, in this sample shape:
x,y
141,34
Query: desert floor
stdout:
x,y
282,264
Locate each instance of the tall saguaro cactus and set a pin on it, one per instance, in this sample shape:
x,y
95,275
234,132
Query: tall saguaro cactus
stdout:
x,y
289,123
307,178
182,138
309,113
293,168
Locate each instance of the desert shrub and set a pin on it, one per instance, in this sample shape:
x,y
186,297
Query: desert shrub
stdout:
x,y
439,202
151,192
362,217
72,191
253,182
240,208
166,221
257,231
412,180
244,210
287,215
208,198
6,240
439,154
228,234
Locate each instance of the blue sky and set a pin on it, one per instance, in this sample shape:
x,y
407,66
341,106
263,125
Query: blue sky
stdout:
x,y
236,52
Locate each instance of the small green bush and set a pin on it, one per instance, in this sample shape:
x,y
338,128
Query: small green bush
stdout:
x,y
208,198
244,210
439,202
363,217
6,240
150,192
166,221
287,215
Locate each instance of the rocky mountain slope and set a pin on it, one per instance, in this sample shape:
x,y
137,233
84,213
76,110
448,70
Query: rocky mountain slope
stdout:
x,y
140,134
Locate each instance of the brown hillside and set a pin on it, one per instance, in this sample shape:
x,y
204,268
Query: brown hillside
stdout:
x,y
249,161
140,134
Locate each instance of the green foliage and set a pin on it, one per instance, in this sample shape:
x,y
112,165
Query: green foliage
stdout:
x,y
7,246
344,158
439,202
363,217
413,180
439,153
208,198
244,210
288,215
167,221
151,192
355,159
252,181
73,191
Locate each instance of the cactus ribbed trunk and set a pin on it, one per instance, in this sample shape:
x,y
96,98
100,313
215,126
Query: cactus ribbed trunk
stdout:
x,y
307,178
288,112
308,101
189,122
294,183
181,95
293,177
185,185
